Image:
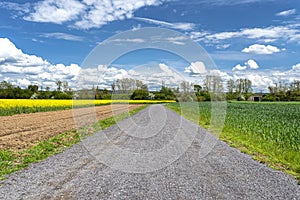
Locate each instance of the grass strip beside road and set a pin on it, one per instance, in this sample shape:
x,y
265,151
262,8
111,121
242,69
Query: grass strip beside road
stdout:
x,y
267,131
11,161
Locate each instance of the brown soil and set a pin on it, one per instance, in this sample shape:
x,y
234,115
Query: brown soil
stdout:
x,y
19,132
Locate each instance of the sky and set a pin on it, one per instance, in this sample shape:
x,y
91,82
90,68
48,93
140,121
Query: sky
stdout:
x,y
48,40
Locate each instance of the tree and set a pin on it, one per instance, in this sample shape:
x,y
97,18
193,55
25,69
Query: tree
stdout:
x,y
239,86
213,84
165,93
65,85
139,84
113,87
230,86
140,95
59,84
33,88
185,86
197,88
243,86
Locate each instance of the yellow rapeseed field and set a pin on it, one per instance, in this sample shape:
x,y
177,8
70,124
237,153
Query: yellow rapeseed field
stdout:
x,y
18,106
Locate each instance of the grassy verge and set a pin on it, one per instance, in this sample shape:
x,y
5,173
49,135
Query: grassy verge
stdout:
x,y
268,131
11,161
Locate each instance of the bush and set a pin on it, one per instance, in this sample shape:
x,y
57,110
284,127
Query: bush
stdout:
x,y
140,95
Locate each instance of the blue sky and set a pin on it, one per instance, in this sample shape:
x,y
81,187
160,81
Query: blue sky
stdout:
x,y
42,41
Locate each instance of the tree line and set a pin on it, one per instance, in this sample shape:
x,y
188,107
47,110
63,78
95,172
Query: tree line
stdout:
x,y
10,91
284,92
127,88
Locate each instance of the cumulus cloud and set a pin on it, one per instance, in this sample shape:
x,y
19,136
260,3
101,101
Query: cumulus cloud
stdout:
x,y
23,69
286,12
261,49
86,14
153,75
251,64
264,78
239,67
296,67
196,69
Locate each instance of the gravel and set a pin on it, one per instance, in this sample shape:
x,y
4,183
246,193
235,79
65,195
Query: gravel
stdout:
x,y
154,154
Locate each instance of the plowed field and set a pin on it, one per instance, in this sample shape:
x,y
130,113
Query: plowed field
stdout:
x,y
21,131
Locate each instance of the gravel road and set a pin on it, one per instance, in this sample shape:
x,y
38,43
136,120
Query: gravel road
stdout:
x,y
155,154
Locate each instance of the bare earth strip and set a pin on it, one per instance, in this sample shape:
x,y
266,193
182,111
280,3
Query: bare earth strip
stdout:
x,y
21,131
94,169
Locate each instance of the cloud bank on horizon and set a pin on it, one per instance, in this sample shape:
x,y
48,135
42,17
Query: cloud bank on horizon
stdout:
x,y
244,40
23,69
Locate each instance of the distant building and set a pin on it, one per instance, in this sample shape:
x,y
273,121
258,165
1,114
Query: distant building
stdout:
x,y
255,98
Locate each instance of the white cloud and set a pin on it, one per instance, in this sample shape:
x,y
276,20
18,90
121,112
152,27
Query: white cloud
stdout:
x,y
56,11
222,46
169,75
261,49
180,40
133,40
264,78
21,8
22,68
286,12
239,67
63,36
83,14
228,2
196,69
180,26
271,33
296,67
223,35
23,82
251,64
198,36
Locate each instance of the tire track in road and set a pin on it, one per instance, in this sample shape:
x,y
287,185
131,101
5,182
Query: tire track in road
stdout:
x,y
224,173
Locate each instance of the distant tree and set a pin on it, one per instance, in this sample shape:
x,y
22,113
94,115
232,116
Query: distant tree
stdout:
x,y
213,84
33,88
197,88
140,95
59,84
139,84
185,86
165,93
230,86
247,86
113,87
65,85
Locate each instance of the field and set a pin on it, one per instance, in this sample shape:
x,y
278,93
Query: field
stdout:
x,y
268,131
28,138
19,106
19,132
